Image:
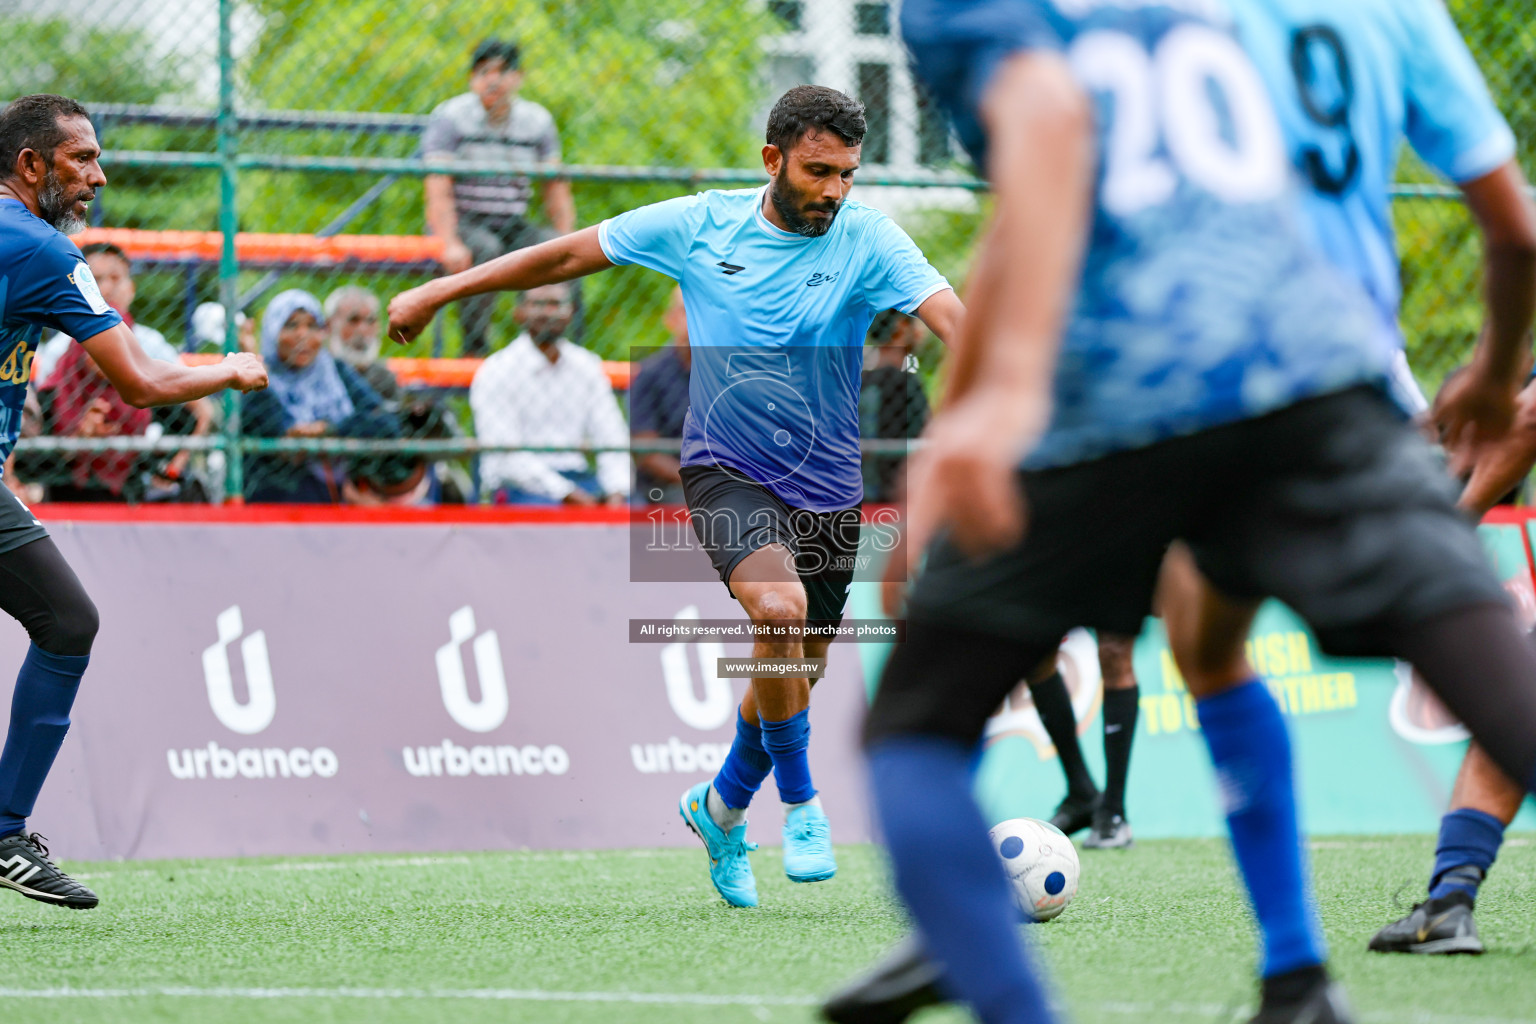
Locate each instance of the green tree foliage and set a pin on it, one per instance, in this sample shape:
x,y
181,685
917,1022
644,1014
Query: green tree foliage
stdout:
x,y
98,66
61,56
1440,246
674,83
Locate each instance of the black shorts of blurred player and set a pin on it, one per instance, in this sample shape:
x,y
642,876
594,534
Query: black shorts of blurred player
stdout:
x,y
1333,505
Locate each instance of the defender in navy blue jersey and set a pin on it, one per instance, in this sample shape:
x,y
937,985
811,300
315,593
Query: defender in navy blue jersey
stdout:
x,y
1152,332
1351,82
48,173
780,284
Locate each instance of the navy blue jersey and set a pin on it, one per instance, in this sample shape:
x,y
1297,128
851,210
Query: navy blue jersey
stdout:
x,y
1201,301
44,284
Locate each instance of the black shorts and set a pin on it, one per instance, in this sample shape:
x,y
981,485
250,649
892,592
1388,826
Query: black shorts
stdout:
x,y
733,517
18,526
1334,505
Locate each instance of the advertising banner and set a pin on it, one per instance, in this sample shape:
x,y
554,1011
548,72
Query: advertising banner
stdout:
x,y
301,688
292,689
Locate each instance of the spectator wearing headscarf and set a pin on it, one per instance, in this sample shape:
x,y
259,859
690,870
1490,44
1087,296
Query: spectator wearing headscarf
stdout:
x,y
312,394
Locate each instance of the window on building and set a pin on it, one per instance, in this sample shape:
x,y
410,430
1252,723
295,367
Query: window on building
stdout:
x,y
787,11
875,94
785,71
872,19
932,129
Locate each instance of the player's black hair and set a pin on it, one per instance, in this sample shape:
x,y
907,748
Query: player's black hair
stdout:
x,y
883,327
504,50
32,122
107,248
808,107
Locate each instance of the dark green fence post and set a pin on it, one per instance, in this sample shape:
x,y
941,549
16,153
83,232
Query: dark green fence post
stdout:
x,y
229,268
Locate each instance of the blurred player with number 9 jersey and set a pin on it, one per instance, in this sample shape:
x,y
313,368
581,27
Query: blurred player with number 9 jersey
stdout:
x,y
1351,82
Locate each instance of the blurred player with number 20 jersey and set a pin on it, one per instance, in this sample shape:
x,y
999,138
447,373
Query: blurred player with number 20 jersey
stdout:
x,y
1153,334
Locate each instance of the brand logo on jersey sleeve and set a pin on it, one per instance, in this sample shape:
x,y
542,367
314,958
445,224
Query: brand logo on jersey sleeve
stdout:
x,y
82,278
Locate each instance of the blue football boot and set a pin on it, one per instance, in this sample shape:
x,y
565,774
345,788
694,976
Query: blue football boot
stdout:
x,y
808,845
729,868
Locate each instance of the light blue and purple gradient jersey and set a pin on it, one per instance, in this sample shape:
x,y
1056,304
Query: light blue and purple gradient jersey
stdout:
x,y
776,325
1201,302
44,283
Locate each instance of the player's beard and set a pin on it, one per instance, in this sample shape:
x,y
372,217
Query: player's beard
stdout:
x,y
788,202
58,209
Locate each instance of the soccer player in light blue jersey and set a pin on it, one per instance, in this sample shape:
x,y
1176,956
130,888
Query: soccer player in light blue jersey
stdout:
x,y
1155,353
49,171
1351,82
780,284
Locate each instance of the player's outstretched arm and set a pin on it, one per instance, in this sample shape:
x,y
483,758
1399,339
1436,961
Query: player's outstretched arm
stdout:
x,y
559,259
1476,407
144,382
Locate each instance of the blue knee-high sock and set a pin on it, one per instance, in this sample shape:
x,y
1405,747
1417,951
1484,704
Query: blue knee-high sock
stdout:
x,y
1469,842
1251,750
45,691
745,767
950,878
786,742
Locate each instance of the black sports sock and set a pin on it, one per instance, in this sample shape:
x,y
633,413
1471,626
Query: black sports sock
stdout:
x,y
1055,707
1119,732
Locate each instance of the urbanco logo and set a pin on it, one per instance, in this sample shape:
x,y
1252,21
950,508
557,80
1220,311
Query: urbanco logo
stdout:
x,y
248,718
486,714
714,708
261,697
706,711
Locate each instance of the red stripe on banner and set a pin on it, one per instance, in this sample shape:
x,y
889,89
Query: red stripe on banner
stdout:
x,y
339,515
1501,515
357,515
1511,515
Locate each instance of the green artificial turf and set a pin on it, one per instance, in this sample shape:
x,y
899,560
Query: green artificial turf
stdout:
x,y
1159,933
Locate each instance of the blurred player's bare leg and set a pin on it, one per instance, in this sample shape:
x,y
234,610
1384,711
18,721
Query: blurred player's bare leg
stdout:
x,y
1206,630
1481,786
1111,831
1250,748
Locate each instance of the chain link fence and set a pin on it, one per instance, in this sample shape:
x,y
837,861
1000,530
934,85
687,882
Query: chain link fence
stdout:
x,y
304,160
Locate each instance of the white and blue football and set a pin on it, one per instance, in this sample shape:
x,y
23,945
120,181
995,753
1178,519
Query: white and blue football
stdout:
x,y
1041,865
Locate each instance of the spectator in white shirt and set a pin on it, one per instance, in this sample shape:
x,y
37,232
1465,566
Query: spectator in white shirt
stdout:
x,y
544,391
